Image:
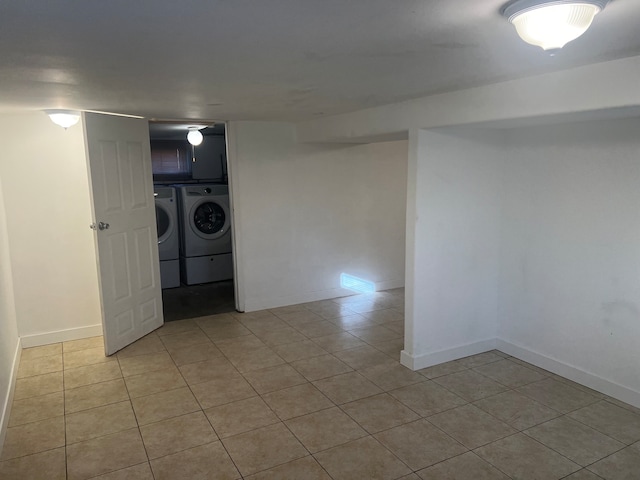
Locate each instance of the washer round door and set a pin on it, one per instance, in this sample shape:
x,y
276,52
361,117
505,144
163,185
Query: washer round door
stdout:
x,y
164,223
209,219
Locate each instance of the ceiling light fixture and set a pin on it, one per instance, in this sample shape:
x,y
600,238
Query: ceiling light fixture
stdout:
x,y
552,24
194,136
64,118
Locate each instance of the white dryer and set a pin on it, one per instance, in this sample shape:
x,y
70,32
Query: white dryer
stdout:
x,y
168,235
205,250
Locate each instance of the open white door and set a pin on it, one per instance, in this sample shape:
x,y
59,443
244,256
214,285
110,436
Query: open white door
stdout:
x,y
119,160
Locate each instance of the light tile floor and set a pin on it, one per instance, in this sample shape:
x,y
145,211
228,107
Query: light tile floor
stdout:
x,y
311,391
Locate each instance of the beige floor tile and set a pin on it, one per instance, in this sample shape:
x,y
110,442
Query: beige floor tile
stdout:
x,y
315,368
442,369
427,398
195,353
306,468
376,333
208,370
148,344
467,466
49,465
299,350
200,463
557,395
295,401
90,356
38,385
99,421
393,348
105,454
318,329
470,385
516,409
420,444
352,320
154,382
82,344
137,472
480,359
578,386
183,340
576,441
624,405
623,465
541,371
178,326
362,459
263,448
227,331
223,389
583,474
339,341
280,336
177,434
471,426
244,316
509,373
96,395
163,405
621,424
390,377
523,458
36,408
300,318
329,310
39,366
325,429
255,359
379,412
383,316
275,378
33,438
288,309
41,351
241,416
145,363
81,376
261,325
347,387
239,345
364,357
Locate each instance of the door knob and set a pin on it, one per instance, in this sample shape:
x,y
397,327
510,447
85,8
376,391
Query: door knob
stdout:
x,y
99,226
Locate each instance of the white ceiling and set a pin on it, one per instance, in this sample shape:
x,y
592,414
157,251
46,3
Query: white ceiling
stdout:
x,y
271,59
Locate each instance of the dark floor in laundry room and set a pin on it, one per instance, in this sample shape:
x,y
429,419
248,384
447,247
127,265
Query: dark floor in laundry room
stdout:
x,y
198,300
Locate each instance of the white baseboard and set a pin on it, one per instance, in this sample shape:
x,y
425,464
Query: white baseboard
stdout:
x,y
575,374
8,400
61,336
254,304
416,362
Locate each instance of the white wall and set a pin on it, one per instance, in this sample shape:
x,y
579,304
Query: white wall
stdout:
x,y
570,279
306,213
453,240
46,192
9,341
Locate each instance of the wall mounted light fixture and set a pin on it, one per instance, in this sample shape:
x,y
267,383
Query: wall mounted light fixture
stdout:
x,y
195,136
552,24
64,118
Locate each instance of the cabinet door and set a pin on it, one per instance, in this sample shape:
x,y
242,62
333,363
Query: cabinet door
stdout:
x,y
211,159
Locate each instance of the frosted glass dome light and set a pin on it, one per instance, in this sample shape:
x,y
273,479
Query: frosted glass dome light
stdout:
x,y
194,136
552,24
64,118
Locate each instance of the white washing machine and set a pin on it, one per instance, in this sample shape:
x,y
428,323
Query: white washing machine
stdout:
x,y
167,222
205,218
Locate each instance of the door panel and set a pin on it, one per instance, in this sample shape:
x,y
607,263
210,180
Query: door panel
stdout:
x,y
127,247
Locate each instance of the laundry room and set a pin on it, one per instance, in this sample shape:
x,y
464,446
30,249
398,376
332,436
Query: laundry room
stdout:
x,y
193,218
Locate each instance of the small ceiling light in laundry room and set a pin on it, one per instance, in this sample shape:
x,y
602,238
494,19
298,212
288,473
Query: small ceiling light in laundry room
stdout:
x,y
64,118
195,136
551,24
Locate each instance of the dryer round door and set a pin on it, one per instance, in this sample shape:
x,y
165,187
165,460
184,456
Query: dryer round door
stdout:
x,y
164,223
209,219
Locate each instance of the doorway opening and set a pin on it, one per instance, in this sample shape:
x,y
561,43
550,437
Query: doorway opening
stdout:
x,y
193,218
